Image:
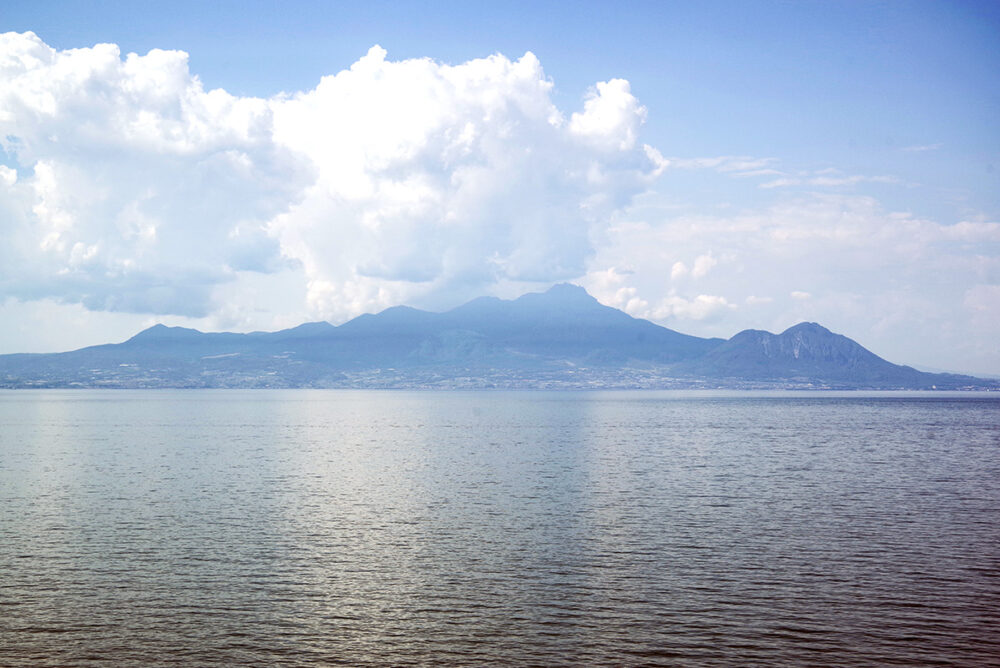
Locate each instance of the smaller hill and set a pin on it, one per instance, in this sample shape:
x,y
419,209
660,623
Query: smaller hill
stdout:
x,y
809,352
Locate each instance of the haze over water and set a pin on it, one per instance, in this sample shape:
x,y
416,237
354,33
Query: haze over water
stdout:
x,y
656,528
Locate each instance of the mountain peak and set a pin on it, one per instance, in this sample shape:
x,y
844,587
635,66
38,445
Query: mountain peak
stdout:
x,y
807,328
567,289
160,331
559,295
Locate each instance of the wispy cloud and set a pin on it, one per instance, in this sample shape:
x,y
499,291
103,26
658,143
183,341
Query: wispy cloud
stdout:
x,y
740,166
828,178
833,181
749,167
781,183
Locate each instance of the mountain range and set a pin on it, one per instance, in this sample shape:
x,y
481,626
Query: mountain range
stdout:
x,y
562,338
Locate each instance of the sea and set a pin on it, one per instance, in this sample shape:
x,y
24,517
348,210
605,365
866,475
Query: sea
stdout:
x,y
446,528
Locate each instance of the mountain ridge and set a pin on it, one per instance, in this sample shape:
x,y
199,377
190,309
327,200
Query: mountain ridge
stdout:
x,y
562,337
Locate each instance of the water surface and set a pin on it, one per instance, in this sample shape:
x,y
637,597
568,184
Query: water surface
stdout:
x,y
361,527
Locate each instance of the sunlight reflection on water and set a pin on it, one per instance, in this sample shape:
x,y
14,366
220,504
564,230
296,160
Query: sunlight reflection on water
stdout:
x,y
228,527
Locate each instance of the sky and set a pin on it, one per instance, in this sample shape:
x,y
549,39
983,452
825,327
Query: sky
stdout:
x,y
711,166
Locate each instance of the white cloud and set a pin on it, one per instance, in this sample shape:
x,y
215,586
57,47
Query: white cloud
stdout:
x,y
732,165
702,265
440,181
611,116
132,179
834,181
135,189
781,183
965,231
700,307
898,283
825,178
610,284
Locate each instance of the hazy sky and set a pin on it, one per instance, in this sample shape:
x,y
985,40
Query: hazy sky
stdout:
x,y
709,166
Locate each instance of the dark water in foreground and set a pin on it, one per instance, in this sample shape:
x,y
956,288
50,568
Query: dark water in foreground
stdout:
x,y
313,527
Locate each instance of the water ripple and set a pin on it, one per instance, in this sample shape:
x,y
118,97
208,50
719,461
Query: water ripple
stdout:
x,y
364,528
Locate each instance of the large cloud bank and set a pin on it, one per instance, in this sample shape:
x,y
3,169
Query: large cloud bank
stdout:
x,y
131,188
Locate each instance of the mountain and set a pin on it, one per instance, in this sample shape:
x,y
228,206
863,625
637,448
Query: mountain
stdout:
x,y
560,338
809,352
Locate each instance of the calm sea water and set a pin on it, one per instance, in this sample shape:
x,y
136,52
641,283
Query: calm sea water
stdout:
x,y
439,528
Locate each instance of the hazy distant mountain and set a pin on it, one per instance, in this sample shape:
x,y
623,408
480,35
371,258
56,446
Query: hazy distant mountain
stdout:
x,y
559,338
808,352
563,324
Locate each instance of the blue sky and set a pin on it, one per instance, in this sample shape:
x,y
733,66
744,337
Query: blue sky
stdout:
x,y
837,162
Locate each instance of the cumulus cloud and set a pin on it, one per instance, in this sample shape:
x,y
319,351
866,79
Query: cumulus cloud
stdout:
x,y
610,283
135,189
702,265
698,308
129,187
436,179
612,286
611,116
